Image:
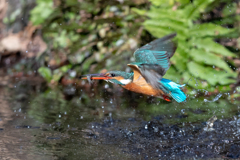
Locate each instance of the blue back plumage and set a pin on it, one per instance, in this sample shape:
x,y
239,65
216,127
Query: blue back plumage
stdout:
x,y
153,57
173,89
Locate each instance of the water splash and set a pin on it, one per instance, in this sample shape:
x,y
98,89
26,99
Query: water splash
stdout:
x,y
215,99
209,124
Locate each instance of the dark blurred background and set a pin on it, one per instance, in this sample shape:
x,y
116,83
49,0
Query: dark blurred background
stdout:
x,y
47,112
62,39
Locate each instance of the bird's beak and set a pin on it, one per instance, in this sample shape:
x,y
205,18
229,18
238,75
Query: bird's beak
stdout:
x,y
95,76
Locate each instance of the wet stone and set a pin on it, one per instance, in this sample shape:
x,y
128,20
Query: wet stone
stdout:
x,y
175,141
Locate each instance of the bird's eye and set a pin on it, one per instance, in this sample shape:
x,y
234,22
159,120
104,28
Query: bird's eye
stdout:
x,y
113,75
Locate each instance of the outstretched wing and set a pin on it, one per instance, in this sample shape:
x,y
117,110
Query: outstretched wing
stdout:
x,y
161,44
157,61
157,52
153,59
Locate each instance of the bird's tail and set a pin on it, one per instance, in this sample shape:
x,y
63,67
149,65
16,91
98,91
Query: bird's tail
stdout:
x,y
173,89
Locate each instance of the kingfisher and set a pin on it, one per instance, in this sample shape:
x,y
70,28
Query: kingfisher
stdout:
x,y
151,63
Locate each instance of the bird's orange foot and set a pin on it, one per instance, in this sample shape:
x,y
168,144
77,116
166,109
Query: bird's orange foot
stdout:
x,y
166,98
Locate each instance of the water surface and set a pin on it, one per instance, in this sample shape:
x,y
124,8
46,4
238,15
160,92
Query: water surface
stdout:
x,y
107,122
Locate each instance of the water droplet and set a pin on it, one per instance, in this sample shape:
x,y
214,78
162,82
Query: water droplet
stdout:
x,y
238,122
73,73
235,118
183,111
155,129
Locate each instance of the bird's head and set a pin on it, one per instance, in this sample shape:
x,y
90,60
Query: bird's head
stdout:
x,y
117,77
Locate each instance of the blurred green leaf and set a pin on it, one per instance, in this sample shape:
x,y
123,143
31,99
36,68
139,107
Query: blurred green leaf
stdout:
x,y
209,45
192,11
46,73
200,55
180,58
195,42
159,2
212,76
12,17
58,73
173,25
42,11
208,29
158,32
202,72
168,3
230,9
196,82
174,15
139,11
173,75
64,69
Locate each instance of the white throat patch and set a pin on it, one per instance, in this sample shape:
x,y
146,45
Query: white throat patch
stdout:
x,y
125,81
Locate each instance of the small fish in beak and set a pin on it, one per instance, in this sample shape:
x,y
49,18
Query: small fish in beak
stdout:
x,y
90,77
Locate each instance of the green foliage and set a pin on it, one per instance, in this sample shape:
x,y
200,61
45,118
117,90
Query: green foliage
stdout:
x,y
92,35
42,11
201,56
46,73
198,54
212,76
12,17
58,73
168,2
87,32
207,29
193,11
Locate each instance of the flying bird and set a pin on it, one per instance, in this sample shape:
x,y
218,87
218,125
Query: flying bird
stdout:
x,y
151,63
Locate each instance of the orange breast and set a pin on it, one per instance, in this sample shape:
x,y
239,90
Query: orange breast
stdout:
x,y
140,85
144,89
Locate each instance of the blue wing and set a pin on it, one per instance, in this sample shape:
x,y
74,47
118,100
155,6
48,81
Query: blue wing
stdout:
x,y
157,52
153,59
150,57
162,44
